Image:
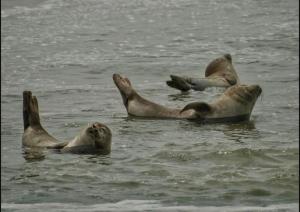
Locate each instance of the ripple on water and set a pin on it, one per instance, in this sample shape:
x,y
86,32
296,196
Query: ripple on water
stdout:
x,y
66,56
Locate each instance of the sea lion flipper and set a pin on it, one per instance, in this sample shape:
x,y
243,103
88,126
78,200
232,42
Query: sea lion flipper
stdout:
x,y
173,84
200,107
26,108
34,116
179,83
31,115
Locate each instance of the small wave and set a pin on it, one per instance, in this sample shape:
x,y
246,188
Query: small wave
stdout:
x,y
245,155
15,11
141,205
179,156
76,64
19,10
97,40
284,80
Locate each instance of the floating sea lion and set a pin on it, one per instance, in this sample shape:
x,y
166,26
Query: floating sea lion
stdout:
x,y
235,104
93,139
219,73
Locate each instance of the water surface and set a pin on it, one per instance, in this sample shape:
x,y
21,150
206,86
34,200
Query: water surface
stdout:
x,y
65,52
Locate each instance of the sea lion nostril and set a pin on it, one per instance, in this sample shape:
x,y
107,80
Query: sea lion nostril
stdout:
x,y
97,125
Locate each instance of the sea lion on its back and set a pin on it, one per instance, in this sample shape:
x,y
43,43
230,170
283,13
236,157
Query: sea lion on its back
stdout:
x,y
235,104
95,138
219,73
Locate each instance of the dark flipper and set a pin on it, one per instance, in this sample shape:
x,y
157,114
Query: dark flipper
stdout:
x,y
178,83
199,107
31,115
26,109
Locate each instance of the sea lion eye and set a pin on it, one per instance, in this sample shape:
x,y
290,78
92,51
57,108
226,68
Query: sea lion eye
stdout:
x,y
91,130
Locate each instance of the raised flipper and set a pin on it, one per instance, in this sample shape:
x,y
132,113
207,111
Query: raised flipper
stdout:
x,y
31,115
197,84
178,83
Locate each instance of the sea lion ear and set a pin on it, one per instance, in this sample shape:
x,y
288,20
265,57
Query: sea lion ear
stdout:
x,y
228,57
199,107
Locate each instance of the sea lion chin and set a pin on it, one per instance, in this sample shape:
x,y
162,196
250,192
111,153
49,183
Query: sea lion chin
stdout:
x,y
93,139
219,73
235,104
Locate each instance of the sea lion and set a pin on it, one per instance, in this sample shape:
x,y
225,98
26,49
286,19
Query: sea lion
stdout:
x,y
93,139
235,104
219,73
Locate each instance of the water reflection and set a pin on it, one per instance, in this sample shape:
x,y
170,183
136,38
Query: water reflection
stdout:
x,y
39,154
238,132
34,154
179,96
98,159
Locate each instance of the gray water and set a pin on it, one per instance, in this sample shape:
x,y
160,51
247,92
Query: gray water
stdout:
x,y
65,52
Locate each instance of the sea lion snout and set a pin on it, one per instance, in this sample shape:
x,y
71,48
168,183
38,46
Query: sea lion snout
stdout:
x,y
120,79
116,77
228,57
97,125
102,136
255,89
97,128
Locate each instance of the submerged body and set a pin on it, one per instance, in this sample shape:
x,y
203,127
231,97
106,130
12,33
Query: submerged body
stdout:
x,y
235,104
95,138
219,73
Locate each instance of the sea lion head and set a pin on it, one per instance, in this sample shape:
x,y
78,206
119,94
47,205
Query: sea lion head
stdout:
x,y
244,94
237,101
95,138
124,86
100,133
222,67
218,64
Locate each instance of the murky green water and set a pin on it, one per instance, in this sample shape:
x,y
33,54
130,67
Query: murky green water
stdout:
x,y
65,52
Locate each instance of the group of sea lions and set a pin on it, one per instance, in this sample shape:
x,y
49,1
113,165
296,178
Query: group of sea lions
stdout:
x,y
234,105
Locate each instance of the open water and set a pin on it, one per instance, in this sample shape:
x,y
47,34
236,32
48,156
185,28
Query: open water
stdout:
x,y
65,52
